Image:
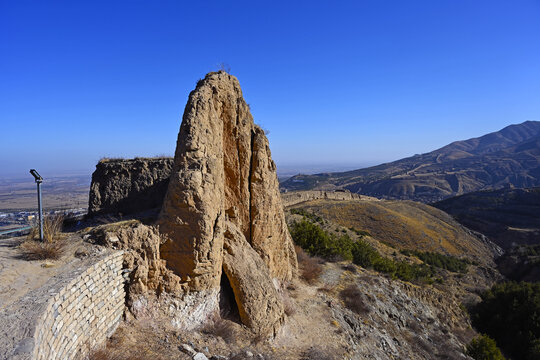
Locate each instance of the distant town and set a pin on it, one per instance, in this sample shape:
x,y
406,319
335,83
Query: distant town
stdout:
x,y
16,219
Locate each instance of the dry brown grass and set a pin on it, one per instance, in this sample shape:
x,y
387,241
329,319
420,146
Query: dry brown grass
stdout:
x,y
288,304
133,342
222,328
326,288
144,158
52,229
316,354
37,250
401,224
53,244
310,267
118,354
354,299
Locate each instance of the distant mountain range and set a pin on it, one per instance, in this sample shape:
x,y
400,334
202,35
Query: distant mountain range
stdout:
x,y
503,159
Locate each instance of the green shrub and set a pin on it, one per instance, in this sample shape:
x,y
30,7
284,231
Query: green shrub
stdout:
x,y
410,272
484,348
447,262
510,313
341,247
309,237
317,242
364,254
385,265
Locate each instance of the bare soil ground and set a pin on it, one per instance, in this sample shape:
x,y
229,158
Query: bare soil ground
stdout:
x,y
309,328
18,276
388,319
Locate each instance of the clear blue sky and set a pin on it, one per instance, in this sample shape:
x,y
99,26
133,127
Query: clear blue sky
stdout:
x,y
337,83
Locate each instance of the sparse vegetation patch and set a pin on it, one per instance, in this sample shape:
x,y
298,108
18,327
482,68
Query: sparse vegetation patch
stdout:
x,y
52,229
360,232
53,244
315,241
447,262
38,250
354,299
310,269
220,327
484,348
308,215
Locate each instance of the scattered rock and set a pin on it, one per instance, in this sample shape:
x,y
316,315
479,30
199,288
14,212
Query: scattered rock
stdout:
x,y
199,356
82,253
187,349
25,346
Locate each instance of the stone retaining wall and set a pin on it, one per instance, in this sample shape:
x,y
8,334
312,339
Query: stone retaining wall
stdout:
x,y
73,312
83,313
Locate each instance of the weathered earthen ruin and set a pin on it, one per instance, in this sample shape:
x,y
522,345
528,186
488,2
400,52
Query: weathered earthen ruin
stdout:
x,y
222,240
222,213
121,186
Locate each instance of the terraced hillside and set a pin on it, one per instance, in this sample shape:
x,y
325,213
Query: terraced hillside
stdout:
x,y
509,157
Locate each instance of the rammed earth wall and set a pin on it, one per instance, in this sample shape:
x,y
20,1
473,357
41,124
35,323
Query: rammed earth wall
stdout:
x,y
296,197
127,186
135,185
72,313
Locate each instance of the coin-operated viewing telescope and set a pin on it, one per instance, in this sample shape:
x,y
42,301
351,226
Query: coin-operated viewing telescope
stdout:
x,y
39,180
